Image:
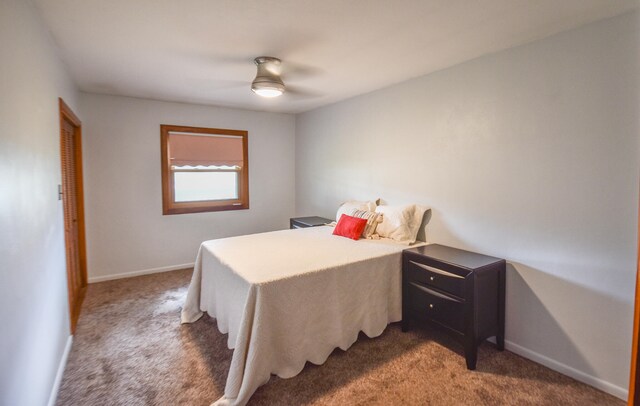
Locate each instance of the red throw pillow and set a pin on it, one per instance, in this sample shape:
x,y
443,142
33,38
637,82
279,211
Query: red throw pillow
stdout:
x,y
350,227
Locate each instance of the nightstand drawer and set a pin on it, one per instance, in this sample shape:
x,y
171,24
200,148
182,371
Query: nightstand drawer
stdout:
x,y
436,277
432,305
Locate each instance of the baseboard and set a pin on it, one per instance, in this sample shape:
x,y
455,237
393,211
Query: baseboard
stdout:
x,y
139,273
63,363
598,383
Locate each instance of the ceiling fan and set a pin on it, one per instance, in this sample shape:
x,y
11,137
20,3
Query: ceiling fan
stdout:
x,y
271,75
269,78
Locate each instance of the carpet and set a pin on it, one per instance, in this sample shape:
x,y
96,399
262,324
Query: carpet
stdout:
x,y
130,349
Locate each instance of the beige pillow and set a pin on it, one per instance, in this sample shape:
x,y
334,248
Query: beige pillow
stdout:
x,y
400,223
349,206
373,219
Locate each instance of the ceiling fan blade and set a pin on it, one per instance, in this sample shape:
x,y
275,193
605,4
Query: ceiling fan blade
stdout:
x,y
301,92
293,70
212,59
228,84
232,59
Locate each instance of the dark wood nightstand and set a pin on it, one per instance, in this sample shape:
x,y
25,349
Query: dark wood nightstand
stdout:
x,y
304,222
459,290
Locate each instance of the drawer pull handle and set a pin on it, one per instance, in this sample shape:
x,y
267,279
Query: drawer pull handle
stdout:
x,y
430,305
432,278
436,270
436,294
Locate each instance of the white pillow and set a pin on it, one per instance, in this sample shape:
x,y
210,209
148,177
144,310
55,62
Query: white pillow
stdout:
x,y
400,223
351,205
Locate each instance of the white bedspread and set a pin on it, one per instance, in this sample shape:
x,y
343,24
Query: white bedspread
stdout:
x,y
291,296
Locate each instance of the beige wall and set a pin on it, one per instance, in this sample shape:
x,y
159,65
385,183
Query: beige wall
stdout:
x,y
126,231
33,284
530,154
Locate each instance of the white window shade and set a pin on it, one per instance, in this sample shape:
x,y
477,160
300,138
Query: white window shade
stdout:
x,y
205,150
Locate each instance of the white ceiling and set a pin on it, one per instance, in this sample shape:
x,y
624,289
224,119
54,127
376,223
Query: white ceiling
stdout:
x,y
201,51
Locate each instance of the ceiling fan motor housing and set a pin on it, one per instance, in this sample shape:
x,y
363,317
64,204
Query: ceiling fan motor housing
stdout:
x,y
268,76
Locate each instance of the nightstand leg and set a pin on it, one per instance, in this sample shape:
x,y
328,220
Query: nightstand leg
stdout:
x,y
501,306
471,352
405,295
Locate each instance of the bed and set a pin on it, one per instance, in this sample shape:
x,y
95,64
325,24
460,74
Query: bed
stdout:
x,y
292,296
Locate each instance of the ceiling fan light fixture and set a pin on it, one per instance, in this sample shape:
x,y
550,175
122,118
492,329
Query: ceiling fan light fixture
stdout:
x,y
267,82
267,92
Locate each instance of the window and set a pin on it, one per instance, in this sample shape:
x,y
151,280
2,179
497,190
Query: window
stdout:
x,y
203,169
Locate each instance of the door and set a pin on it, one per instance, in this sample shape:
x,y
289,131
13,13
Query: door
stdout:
x,y
72,201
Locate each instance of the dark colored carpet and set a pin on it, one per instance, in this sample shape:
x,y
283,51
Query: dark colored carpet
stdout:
x,y
130,349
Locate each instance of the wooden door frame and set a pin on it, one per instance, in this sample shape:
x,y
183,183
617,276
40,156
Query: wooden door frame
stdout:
x,y
634,380
66,114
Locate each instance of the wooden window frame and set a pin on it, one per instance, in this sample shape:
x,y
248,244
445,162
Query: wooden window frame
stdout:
x,y
170,206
